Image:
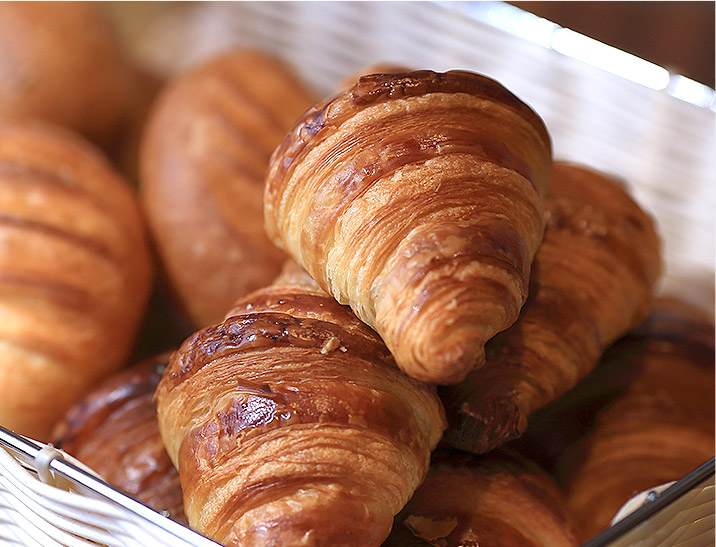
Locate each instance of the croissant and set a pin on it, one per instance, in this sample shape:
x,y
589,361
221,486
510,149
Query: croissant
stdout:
x,y
592,280
203,158
651,403
290,424
113,429
63,63
498,500
74,273
415,199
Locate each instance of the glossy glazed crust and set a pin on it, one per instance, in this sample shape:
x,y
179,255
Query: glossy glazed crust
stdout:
x,y
592,280
496,500
114,431
74,273
378,68
656,420
291,425
203,159
415,199
62,63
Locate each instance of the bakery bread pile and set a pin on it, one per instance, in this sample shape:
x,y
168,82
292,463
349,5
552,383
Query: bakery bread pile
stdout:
x,y
382,288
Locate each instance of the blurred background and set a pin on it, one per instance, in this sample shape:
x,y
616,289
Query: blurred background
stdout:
x,y
676,35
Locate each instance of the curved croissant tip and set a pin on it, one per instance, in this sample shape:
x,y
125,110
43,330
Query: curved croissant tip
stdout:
x,y
483,426
448,362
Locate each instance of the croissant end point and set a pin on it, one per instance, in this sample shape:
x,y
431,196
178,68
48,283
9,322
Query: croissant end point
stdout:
x,y
450,364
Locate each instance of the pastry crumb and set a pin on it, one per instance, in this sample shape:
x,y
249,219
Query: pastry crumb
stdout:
x,y
330,344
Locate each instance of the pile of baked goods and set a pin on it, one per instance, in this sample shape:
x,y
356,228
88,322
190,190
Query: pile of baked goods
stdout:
x,y
350,321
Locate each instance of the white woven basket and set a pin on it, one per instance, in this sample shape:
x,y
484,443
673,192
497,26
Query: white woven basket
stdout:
x,y
661,145
49,499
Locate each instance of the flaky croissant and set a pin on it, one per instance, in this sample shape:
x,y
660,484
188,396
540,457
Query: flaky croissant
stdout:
x,y
113,429
290,424
497,500
203,159
415,199
592,280
651,404
74,273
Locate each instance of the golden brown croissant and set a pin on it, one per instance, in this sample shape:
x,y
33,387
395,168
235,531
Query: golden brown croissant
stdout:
x,y
290,424
497,500
652,407
74,273
415,199
203,159
62,62
114,430
592,280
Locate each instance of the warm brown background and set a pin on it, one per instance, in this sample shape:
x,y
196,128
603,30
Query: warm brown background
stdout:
x,y
676,35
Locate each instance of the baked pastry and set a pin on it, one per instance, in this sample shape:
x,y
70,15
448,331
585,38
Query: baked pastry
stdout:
x,y
113,429
651,403
74,273
202,164
592,280
415,198
497,500
63,63
290,424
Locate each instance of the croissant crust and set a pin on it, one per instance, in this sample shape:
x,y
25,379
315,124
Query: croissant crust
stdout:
x,y
648,410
